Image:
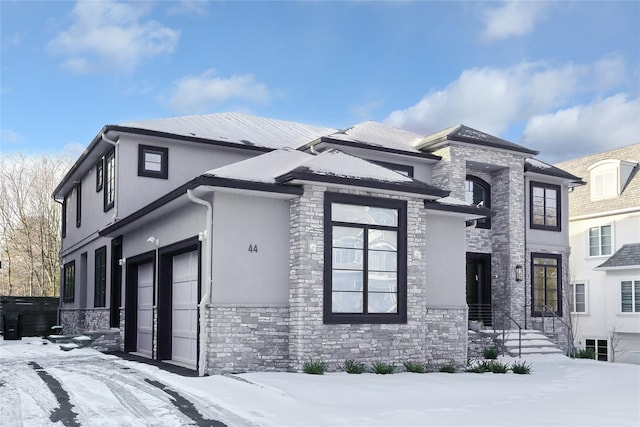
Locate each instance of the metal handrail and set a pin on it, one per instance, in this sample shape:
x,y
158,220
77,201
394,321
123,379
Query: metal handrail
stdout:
x,y
554,316
508,316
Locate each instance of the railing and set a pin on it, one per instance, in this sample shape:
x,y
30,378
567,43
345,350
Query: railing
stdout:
x,y
508,316
481,313
547,312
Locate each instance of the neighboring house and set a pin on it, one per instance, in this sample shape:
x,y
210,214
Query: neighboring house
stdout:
x,y
604,227
229,242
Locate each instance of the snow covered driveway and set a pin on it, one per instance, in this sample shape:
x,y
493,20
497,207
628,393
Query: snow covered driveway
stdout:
x,y
41,385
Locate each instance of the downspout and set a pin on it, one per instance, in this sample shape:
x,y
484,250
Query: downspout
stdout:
x,y
208,256
117,171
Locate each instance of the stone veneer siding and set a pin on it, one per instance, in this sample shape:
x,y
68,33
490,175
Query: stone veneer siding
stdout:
x,y
76,321
247,338
429,336
505,241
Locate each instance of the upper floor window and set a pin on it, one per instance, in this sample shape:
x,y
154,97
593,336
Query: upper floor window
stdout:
x,y
65,202
69,281
545,206
478,193
546,287
578,297
99,174
396,167
365,260
153,162
609,177
630,296
600,241
78,204
109,180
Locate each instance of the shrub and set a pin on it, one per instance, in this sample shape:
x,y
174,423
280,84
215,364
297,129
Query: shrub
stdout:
x,y
449,367
479,367
384,368
490,353
586,353
315,367
520,368
498,367
417,368
353,367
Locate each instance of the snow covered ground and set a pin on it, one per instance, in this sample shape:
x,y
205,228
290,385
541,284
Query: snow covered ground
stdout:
x,y
104,390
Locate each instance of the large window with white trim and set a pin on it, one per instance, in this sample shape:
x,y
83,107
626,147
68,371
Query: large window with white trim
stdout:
x,y
578,297
630,296
365,259
600,241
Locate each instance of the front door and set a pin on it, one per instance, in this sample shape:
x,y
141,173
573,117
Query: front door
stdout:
x,y
479,287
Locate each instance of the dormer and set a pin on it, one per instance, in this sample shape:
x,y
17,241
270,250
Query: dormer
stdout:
x,y
609,178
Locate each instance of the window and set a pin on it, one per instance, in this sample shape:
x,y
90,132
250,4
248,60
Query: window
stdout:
x,y
396,167
599,348
578,297
604,184
546,284
630,296
600,240
109,180
99,174
478,193
365,260
100,284
545,206
78,204
153,162
69,281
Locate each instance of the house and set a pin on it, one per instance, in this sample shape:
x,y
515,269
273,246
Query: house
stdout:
x,y
604,228
230,242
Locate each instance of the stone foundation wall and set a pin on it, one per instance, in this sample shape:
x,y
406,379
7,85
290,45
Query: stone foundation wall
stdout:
x,y
247,338
478,342
78,321
446,337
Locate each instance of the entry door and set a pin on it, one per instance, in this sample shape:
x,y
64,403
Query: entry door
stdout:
x,y
184,310
144,327
479,287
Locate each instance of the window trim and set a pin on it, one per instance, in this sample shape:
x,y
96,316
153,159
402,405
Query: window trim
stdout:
x,y
635,298
604,357
558,258
143,150
572,297
69,289
483,222
78,188
100,292
99,174
545,186
109,180
600,254
365,318
406,170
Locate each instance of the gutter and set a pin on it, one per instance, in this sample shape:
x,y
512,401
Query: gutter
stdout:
x,y
208,256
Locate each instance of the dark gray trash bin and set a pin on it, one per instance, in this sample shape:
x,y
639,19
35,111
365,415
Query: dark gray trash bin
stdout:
x,y
11,330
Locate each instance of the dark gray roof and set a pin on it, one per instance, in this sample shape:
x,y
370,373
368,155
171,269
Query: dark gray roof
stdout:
x,y
537,166
462,133
580,202
627,256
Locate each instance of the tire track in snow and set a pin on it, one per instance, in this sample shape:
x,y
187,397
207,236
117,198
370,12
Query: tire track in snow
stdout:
x,y
64,413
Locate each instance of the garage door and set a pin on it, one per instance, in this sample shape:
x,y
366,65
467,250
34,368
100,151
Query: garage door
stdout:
x,y
145,310
184,311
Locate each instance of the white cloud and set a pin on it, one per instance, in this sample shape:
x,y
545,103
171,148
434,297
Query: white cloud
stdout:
x,y
73,150
364,110
195,94
585,129
10,137
111,35
188,7
512,19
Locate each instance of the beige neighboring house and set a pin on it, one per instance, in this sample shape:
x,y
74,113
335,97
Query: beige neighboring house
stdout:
x,y
604,229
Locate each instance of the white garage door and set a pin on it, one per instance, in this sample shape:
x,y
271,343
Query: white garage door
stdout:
x,y
145,310
184,342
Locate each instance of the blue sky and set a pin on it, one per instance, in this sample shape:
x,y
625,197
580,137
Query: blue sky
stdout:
x,y
559,77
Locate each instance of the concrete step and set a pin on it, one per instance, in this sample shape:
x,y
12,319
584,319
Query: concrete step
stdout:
x,y
531,342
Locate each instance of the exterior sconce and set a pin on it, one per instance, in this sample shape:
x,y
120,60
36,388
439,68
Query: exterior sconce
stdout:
x,y
519,273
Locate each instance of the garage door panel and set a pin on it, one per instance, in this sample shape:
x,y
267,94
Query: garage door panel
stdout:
x,y
184,311
145,310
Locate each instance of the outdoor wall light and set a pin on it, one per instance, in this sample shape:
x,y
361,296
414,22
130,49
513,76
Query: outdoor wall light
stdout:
x,y
519,273
152,240
122,261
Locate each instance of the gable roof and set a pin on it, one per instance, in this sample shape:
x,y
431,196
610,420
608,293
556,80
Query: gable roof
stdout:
x,y
462,133
286,166
628,256
580,202
537,166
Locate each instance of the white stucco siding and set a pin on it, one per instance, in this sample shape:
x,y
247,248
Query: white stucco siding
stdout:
x,y
445,261
251,250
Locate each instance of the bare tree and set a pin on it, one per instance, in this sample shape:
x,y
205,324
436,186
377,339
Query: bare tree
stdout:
x,y
30,224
